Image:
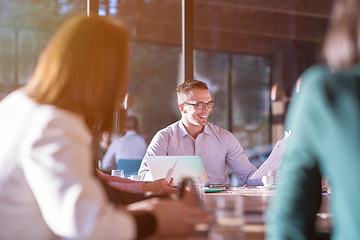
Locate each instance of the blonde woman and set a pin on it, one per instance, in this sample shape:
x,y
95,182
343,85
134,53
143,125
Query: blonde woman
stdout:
x,y
47,178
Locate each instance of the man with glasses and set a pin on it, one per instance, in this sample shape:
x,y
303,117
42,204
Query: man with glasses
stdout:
x,y
194,135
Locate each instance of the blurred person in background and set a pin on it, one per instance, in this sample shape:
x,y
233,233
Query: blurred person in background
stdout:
x,y
49,187
104,143
324,118
130,146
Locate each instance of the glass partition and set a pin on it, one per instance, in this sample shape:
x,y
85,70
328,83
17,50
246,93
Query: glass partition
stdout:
x,y
239,84
250,85
153,80
25,28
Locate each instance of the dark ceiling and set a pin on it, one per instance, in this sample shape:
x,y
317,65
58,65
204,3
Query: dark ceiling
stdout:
x,y
288,31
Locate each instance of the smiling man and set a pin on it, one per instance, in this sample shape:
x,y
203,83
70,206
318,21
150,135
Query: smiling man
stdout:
x,y
194,135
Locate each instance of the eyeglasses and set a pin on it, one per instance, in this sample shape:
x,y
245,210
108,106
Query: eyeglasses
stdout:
x,y
201,105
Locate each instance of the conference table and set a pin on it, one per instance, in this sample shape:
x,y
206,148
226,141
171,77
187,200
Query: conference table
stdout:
x,y
256,202
255,205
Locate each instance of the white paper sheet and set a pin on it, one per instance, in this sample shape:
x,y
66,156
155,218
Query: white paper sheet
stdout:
x,y
272,163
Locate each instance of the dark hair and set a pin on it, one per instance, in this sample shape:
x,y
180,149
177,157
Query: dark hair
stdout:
x,y
341,47
132,123
84,70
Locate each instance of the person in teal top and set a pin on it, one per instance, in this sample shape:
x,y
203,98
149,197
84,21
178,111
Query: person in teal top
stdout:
x,y
324,118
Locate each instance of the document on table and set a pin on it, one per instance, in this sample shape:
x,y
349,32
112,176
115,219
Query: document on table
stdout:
x,y
272,163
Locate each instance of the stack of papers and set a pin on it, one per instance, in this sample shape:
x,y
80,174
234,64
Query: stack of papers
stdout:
x,y
272,163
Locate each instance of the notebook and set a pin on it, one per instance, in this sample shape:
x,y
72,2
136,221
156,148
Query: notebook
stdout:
x,y
186,166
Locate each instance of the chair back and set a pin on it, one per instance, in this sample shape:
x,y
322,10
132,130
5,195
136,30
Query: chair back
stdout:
x,y
130,166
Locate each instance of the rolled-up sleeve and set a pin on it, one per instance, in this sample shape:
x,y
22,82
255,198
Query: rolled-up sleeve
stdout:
x,y
239,162
157,147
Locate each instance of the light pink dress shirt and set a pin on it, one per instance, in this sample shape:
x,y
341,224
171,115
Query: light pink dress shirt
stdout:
x,y
216,146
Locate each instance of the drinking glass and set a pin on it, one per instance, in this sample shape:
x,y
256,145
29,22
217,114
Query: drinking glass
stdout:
x,y
229,218
117,172
268,181
200,188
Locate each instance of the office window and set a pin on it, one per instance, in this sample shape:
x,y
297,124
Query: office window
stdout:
x,y
155,32
250,101
25,28
240,86
212,67
153,80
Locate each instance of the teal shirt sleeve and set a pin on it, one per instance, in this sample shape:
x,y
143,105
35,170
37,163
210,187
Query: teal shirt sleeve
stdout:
x,y
325,122
293,210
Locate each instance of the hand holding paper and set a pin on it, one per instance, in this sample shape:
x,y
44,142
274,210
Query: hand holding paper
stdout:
x,y
272,163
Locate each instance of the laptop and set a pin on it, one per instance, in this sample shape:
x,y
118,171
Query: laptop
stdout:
x,y
186,166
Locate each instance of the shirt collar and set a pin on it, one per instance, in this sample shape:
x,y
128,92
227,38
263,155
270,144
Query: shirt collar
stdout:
x,y
207,129
183,131
130,132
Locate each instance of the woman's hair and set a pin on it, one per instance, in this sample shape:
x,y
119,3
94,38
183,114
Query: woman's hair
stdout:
x,y
84,70
341,48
